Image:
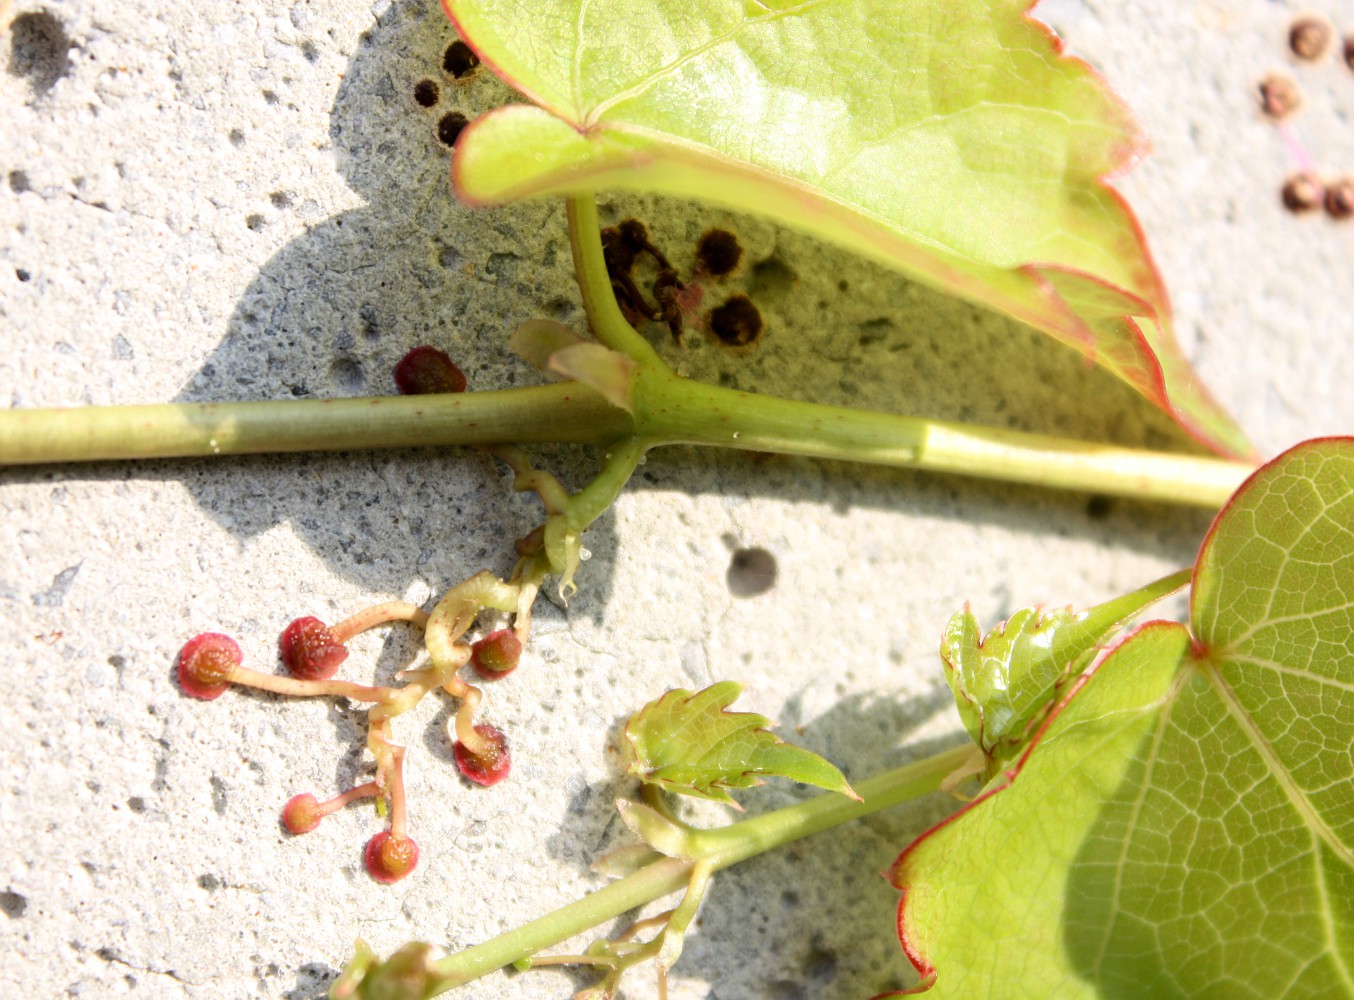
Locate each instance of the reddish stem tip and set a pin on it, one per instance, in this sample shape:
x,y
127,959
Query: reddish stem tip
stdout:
x,y
205,663
389,858
426,370
497,654
302,813
490,767
310,651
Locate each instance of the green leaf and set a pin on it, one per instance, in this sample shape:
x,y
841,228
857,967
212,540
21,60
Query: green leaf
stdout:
x,y
1183,826
947,138
685,742
1006,682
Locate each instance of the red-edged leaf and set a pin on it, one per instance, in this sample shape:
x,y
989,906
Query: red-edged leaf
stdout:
x,y
948,138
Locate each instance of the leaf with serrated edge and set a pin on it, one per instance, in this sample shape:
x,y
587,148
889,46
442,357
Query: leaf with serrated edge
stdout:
x,y
1007,681
948,138
685,742
1183,825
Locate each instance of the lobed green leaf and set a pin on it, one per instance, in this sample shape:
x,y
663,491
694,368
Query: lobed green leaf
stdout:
x,y
686,742
947,138
1184,826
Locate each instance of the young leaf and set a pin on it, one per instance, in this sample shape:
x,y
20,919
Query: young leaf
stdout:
x,y
948,138
556,350
687,743
1184,825
1006,683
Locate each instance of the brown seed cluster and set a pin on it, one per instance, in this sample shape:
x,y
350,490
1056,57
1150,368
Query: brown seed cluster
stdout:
x,y
459,62
1309,39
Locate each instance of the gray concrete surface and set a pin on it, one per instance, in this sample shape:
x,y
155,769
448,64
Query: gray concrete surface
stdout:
x,y
242,201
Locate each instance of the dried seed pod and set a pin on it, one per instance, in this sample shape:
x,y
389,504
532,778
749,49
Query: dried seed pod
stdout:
x,y
737,322
426,370
426,93
718,252
1303,192
1340,198
1309,37
459,60
1279,96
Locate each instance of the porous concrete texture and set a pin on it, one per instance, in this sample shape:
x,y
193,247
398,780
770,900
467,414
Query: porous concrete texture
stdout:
x,y
244,200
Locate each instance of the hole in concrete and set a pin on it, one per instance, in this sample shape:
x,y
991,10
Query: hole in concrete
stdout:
x,y
1098,507
348,376
39,50
13,904
718,252
751,572
771,278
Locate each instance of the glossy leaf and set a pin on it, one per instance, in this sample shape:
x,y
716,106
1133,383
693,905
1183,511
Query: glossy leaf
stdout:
x,y
948,138
1006,682
686,742
1184,826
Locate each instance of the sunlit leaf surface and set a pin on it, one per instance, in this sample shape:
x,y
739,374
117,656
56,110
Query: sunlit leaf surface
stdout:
x,y
948,138
1183,827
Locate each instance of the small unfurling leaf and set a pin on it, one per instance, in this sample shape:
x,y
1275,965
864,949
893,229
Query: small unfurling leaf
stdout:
x,y
686,742
1006,682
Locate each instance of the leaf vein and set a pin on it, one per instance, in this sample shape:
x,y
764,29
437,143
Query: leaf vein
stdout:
x,y
642,86
1296,796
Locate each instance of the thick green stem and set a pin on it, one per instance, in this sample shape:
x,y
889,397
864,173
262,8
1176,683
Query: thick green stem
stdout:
x,y
670,410
678,411
720,848
564,412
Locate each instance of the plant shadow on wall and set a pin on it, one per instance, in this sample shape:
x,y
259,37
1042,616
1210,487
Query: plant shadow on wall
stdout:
x,y
331,314
826,928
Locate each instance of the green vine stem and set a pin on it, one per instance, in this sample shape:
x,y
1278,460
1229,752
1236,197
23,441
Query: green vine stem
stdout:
x,y
718,848
564,412
669,410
